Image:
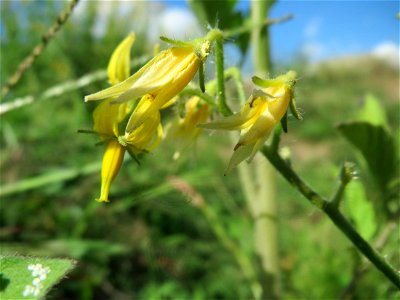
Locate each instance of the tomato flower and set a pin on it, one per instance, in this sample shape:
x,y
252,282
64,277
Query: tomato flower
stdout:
x,y
260,114
161,78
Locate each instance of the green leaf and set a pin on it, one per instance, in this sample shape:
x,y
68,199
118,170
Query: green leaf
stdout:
x,y
30,278
377,147
216,13
372,112
360,210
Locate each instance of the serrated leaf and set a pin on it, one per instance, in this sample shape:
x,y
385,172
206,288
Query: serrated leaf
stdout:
x,y
360,210
377,147
30,278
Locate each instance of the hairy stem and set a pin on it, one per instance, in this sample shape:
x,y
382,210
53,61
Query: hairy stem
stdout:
x,y
263,199
333,212
219,63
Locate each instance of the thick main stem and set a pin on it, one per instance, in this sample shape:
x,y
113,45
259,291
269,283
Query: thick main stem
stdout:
x,y
260,37
262,200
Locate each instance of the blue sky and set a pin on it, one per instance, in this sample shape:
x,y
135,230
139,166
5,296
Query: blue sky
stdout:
x,y
324,29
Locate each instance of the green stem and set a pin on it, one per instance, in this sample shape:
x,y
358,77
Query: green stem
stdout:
x,y
346,175
231,245
196,92
260,37
250,25
219,63
46,38
332,211
234,73
264,197
243,261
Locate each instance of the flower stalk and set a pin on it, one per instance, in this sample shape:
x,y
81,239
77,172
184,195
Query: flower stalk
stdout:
x,y
219,64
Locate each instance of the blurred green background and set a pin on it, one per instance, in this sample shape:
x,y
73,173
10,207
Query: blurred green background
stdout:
x,y
150,242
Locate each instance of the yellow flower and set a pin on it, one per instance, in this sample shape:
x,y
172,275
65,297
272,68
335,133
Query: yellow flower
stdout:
x,y
261,112
108,116
185,131
162,78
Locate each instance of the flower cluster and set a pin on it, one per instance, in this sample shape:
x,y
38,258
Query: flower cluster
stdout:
x,y
258,117
39,274
128,118
156,84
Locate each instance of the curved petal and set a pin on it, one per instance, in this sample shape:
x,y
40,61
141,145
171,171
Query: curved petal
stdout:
x,y
106,117
119,65
120,88
249,114
183,75
239,155
261,128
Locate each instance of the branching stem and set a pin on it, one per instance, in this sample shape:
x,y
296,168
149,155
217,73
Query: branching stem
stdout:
x,y
333,212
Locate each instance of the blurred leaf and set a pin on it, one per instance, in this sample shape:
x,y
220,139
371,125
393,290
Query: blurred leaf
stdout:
x,y
360,209
373,112
221,14
216,13
78,248
377,147
30,278
48,178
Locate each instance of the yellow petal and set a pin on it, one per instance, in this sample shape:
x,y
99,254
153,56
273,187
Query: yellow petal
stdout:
x,y
106,117
249,114
180,75
261,128
278,105
120,88
239,155
157,73
119,65
112,161
170,102
143,136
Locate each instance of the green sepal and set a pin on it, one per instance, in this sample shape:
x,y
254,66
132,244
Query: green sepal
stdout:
x,y
201,77
284,122
265,82
133,155
87,131
175,42
105,136
293,107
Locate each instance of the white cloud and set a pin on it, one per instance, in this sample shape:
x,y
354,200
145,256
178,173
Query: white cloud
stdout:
x,y
312,28
178,23
313,50
387,51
